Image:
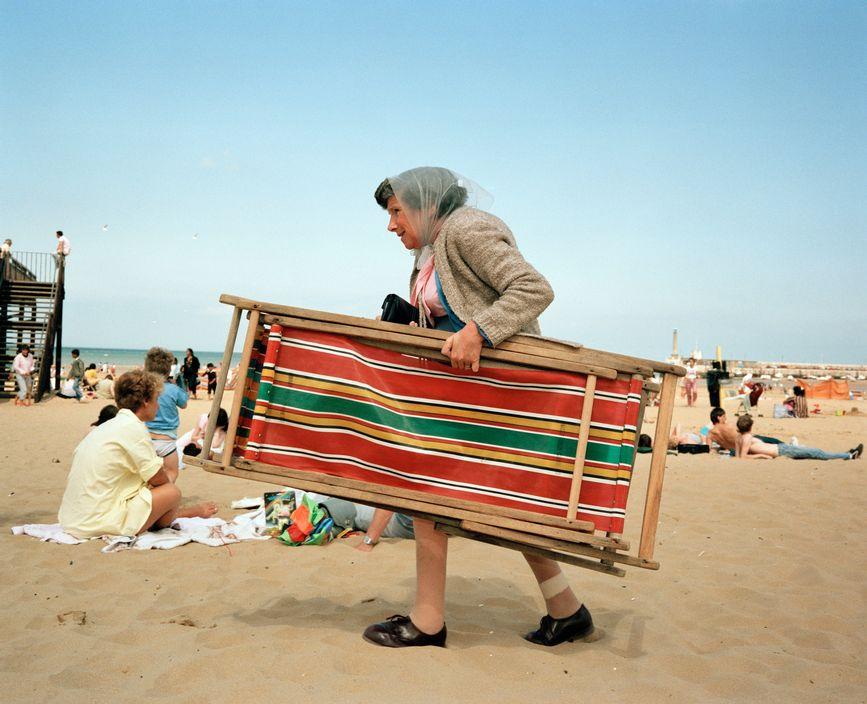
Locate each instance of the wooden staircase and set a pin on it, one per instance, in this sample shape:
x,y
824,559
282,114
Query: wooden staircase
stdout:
x,y
31,310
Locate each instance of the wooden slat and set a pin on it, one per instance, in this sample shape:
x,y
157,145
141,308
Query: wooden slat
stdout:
x,y
518,514
528,549
240,388
221,383
434,345
650,520
529,345
521,343
416,351
581,454
558,545
360,491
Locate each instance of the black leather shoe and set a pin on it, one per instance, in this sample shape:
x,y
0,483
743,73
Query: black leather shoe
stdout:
x,y
856,452
399,632
553,631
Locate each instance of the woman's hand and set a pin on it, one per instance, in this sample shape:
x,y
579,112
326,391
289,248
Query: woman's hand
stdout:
x,y
464,348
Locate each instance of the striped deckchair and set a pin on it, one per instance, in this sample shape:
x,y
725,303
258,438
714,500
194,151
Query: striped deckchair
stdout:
x,y
533,452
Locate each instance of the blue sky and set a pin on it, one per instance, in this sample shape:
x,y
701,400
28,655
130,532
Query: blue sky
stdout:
x,y
693,165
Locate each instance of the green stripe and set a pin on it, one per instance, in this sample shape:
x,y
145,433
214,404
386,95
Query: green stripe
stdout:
x,y
504,438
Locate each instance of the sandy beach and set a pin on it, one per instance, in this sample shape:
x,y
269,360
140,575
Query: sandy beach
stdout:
x,y
760,596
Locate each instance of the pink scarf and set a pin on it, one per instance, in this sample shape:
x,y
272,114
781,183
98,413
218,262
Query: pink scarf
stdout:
x,y
425,290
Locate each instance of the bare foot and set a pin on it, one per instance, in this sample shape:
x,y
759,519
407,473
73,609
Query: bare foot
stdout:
x,y
206,509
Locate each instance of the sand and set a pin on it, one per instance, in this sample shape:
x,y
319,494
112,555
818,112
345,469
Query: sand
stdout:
x,y
761,595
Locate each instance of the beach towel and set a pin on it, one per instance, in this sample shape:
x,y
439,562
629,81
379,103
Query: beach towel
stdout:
x,y
207,531
326,403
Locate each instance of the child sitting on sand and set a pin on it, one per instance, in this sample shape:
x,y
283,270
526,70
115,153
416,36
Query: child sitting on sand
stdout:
x,y
747,446
164,427
117,484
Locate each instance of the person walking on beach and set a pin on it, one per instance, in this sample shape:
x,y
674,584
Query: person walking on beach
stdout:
x,y
23,365
191,372
76,374
712,378
493,293
748,446
690,381
117,485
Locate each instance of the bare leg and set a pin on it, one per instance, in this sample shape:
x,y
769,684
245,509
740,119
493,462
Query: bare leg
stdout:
x,y
431,553
170,466
165,507
165,500
559,605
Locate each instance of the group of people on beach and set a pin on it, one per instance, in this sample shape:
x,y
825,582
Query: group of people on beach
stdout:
x,y
80,381
123,479
739,441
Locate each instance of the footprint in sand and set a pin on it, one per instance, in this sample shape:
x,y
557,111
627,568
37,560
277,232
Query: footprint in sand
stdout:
x,y
187,621
79,618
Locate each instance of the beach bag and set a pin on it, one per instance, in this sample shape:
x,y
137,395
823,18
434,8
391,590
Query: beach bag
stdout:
x,y
692,449
309,524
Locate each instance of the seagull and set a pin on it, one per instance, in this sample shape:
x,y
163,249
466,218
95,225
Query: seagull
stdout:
x,y
105,228
196,236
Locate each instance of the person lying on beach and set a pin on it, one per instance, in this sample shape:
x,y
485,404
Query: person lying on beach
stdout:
x,y
376,523
117,485
683,437
726,435
748,446
164,427
191,442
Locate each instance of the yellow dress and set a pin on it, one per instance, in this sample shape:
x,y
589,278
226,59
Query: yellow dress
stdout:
x,y
106,492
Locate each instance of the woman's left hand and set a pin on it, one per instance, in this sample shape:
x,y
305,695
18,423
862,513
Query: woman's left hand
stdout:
x,y
464,348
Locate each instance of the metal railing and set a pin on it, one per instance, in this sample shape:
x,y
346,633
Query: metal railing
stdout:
x,y
38,267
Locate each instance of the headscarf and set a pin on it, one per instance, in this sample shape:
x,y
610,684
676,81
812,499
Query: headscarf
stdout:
x,y
428,195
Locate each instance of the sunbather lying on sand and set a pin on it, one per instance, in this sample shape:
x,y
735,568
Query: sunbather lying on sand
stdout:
x,y
117,484
750,447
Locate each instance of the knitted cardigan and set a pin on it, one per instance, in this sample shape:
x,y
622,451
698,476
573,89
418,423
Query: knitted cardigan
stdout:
x,y
485,278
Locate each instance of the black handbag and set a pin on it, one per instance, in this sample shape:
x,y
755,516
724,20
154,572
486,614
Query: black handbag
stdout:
x,y
397,310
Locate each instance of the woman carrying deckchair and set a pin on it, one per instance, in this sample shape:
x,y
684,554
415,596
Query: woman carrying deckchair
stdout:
x,y
469,278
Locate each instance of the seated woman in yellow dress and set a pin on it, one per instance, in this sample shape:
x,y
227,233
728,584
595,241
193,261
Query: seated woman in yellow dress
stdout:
x,y
117,485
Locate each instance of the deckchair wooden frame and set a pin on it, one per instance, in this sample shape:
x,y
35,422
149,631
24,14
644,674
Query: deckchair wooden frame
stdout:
x,y
565,539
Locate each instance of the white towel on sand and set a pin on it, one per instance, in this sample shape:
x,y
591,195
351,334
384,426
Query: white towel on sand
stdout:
x,y
207,531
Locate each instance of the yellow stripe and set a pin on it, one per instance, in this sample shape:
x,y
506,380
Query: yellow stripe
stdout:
x,y
414,441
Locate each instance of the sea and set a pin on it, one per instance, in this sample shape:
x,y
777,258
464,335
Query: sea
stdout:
x,y
125,358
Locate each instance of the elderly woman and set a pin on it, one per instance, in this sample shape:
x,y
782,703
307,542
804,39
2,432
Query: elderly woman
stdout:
x,y
469,278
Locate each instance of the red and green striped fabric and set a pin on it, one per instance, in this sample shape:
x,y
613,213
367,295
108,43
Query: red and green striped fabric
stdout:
x,y
326,403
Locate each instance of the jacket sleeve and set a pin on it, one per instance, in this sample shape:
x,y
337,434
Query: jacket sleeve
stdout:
x,y
524,292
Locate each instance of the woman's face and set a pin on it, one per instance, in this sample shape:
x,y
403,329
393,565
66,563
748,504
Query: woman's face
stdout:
x,y
399,223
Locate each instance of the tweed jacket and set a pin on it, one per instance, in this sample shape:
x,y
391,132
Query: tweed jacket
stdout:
x,y
485,278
